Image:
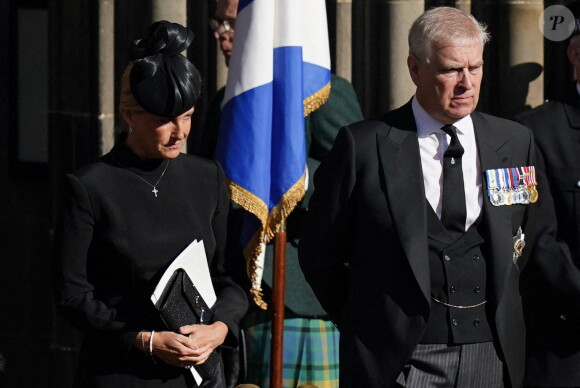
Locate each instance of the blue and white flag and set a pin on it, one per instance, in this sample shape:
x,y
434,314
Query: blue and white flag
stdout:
x,y
279,73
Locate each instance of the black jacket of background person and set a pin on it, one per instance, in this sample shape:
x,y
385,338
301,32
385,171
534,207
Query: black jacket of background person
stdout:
x,y
552,292
364,248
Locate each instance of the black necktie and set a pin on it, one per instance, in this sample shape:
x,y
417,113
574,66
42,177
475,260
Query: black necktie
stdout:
x,y
453,211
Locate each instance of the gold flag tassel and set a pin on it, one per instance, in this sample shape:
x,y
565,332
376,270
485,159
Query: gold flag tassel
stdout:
x,y
316,100
270,224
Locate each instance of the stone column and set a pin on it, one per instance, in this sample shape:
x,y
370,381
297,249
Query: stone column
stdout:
x,y
380,73
344,39
464,5
174,11
402,15
521,56
171,10
106,74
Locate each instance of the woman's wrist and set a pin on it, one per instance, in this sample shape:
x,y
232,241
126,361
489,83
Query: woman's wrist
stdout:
x,y
223,329
142,340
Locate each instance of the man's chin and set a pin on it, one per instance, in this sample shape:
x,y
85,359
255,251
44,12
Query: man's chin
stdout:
x,y
460,112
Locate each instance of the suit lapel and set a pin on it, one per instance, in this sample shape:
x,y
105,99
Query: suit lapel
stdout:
x,y
572,112
398,150
495,152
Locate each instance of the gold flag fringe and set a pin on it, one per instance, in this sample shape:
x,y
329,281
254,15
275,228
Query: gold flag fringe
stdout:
x,y
271,222
316,100
270,225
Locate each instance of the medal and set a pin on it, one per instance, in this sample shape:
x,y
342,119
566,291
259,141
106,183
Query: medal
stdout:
x,y
519,244
533,194
509,198
504,187
522,193
533,184
495,197
514,187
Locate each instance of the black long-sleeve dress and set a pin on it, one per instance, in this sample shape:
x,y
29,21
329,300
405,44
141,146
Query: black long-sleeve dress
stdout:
x,y
115,239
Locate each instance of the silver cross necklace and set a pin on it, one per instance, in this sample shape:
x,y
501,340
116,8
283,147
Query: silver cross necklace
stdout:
x,y
154,191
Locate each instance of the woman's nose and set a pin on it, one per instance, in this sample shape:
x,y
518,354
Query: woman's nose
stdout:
x,y
178,130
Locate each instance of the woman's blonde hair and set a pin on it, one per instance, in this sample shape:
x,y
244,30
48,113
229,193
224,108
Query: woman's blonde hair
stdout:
x,y
127,102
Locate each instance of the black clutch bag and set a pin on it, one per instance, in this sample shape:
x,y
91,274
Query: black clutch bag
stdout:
x,y
181,304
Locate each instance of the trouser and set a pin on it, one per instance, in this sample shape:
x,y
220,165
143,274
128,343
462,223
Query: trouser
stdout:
x,y
459,366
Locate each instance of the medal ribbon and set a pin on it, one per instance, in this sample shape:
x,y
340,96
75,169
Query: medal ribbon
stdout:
x,y
492,184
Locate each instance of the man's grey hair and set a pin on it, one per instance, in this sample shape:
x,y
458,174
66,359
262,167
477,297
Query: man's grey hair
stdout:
x,y
444,25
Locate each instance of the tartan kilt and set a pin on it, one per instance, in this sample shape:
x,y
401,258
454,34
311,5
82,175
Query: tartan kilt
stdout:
x,y
310,353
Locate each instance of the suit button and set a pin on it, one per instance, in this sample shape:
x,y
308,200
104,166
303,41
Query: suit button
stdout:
x,y
476,322
476,257
578,183
447,258
563,317
452,289
476,290
454,322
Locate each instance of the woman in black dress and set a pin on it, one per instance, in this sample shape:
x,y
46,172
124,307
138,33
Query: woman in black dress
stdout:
x,y
129,215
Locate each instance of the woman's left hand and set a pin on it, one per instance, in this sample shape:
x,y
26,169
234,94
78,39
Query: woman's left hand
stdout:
x,y
205,337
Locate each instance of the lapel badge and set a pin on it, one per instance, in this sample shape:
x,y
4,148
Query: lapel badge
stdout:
x,y
519,244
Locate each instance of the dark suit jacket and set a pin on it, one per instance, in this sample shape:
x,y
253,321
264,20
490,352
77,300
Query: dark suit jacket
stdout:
x,y
364,248
551,284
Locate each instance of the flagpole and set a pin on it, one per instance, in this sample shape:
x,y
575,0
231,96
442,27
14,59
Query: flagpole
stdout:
x,y
278,307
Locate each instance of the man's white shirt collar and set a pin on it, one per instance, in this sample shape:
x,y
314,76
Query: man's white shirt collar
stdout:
x,y
427,125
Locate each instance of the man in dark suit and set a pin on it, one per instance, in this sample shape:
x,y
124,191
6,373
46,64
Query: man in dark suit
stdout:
x,y
415,237
551,293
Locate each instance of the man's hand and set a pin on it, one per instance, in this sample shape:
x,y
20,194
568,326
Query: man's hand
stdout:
x,y
226,10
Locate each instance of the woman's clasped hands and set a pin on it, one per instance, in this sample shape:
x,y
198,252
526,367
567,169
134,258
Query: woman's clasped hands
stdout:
x,y
191,346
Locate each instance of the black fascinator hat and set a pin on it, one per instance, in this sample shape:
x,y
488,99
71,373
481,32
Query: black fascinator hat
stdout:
x,y
163,81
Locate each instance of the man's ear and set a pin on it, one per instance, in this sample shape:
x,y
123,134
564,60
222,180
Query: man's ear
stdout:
x,y
413,65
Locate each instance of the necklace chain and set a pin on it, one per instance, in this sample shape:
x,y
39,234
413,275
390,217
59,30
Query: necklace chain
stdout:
x,y
154,191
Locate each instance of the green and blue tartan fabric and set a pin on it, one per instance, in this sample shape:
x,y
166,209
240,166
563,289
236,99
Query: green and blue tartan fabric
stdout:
x,y
310,351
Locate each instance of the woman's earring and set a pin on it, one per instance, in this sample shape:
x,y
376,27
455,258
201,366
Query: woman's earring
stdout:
x,y
130,130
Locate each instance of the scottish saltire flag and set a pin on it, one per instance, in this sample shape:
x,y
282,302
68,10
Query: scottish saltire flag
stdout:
x,y
279,72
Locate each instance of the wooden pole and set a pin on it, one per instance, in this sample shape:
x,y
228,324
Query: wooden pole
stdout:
x,y
278,307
